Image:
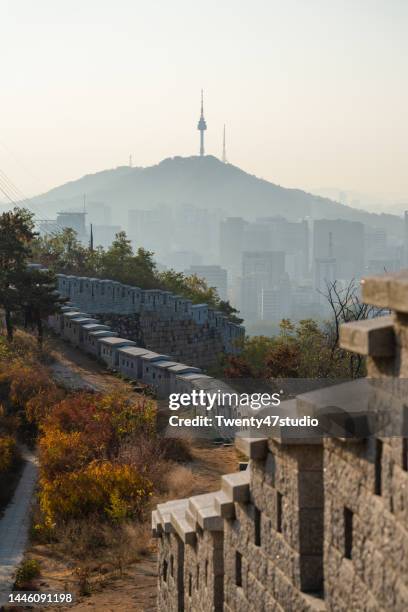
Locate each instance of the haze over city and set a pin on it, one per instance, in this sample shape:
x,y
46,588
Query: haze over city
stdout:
x,y
312,93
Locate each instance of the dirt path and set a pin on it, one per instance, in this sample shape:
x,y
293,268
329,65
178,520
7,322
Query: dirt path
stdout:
x,y
76,370
14,525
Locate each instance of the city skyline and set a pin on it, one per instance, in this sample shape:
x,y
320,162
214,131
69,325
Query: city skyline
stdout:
x,y
88,85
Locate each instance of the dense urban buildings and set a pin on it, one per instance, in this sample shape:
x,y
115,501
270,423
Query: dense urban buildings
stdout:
x,y
268,267
215,276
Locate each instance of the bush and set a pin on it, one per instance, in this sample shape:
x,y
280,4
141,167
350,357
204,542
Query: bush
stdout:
x,y
28,570
62,452
105,420
109,490
29,388
8,453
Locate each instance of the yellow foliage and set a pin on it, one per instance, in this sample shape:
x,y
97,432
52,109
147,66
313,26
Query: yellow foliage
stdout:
x,y
127,416
62,451
7,453
110,490
4,349
40,405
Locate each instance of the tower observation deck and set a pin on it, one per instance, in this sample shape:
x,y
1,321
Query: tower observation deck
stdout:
x,y
202,126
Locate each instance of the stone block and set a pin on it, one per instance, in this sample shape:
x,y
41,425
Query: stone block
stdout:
x,y
373,337
183,528
224,505
387,291
253,448
236,486
210,519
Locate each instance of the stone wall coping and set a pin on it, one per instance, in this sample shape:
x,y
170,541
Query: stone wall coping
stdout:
x,y
387,291
253,448
119,342
350,396
133,351
196,502
286,435
192,376
164,513
346,406
202,511
236,486
182,367
183,528
224,505
152,356
164,364
73,314
209,519
103,334
373,337
95,327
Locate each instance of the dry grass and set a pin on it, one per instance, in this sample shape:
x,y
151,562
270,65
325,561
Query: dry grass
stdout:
x,y
156,458
180,482
177,449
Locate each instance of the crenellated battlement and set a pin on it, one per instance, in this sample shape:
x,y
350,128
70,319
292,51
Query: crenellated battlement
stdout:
x,y
161,320
314,523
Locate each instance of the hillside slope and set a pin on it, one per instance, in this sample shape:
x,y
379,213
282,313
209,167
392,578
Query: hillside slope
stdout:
x,y
204,182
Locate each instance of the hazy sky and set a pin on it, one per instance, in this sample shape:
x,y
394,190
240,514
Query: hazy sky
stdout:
x,y
314,92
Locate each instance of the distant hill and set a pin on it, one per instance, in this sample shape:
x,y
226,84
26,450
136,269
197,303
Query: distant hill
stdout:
x,y
204,182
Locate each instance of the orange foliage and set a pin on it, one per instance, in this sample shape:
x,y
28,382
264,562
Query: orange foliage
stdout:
x,y
104,419
79,450
64,452
30,388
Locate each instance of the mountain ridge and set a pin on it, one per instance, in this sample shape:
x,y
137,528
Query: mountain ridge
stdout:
x,y
204,182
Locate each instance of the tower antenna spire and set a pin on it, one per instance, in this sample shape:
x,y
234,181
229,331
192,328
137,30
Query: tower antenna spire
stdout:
x,y
91,240
202,126
224,148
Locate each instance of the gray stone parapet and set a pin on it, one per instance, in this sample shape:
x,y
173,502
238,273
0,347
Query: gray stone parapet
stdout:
x,y
387,291
101,296
371,337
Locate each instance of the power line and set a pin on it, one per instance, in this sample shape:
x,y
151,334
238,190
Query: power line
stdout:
x,y
18,198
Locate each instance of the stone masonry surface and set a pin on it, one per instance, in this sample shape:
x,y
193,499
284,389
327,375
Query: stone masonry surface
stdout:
x,y
159,320
311,525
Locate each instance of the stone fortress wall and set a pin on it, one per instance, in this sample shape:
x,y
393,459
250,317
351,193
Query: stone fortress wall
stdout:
x,y
133,359
155,319
313,524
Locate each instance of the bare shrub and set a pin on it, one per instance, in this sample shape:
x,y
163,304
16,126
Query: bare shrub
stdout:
x,y
146,457
83,573
126,544
176,449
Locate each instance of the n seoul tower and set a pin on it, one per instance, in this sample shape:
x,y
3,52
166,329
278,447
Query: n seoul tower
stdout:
x,y
202,126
